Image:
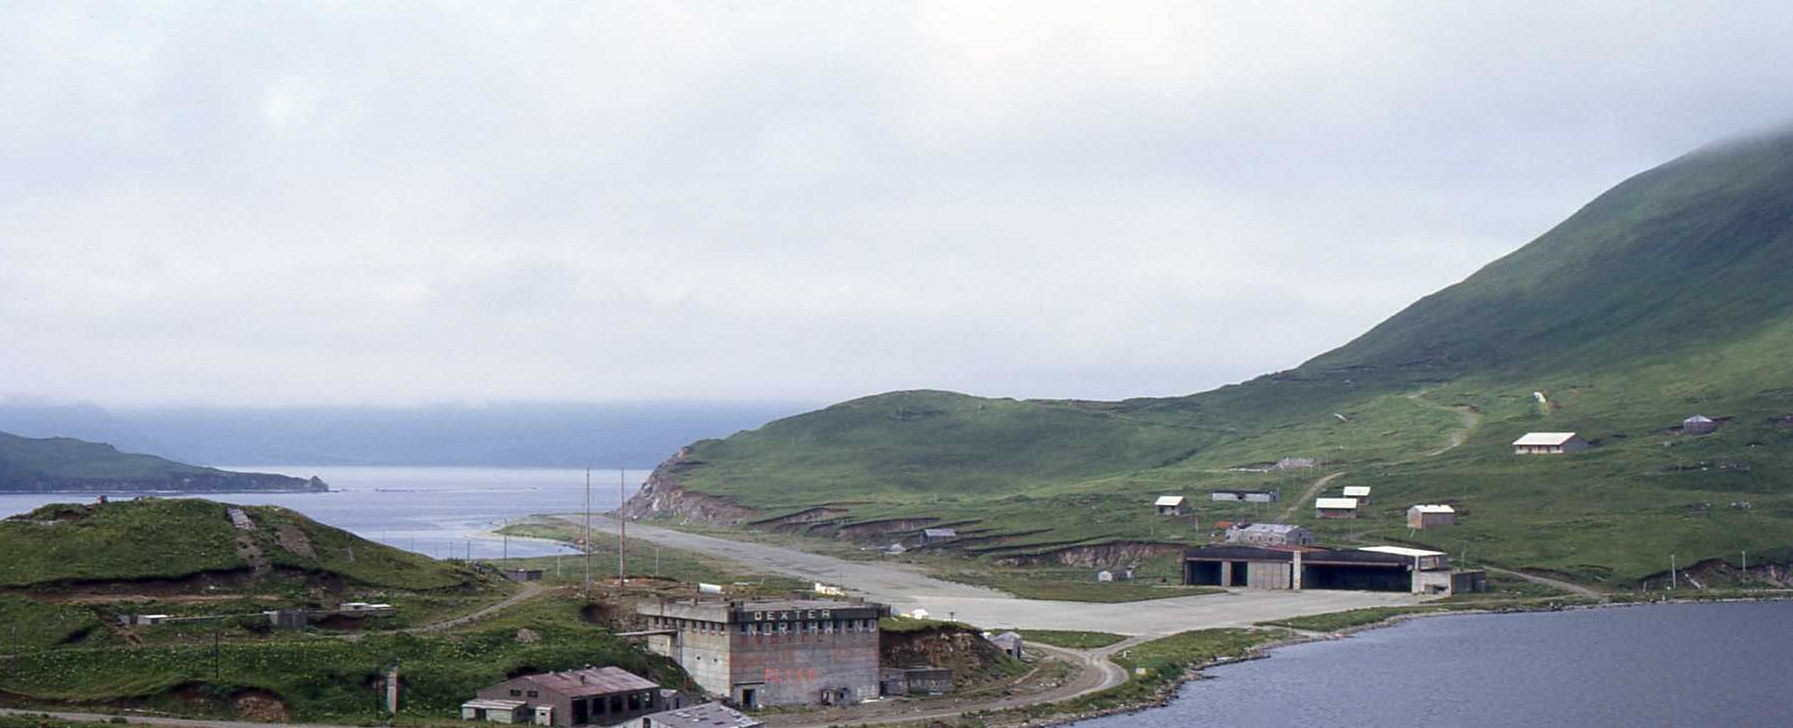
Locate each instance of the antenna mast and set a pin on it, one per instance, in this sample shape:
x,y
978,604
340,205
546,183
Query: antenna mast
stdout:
x,y
622,530
585,541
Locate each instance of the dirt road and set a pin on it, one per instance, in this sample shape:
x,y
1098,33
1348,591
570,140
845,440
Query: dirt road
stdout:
x,y
905,588
1307,496
1554,583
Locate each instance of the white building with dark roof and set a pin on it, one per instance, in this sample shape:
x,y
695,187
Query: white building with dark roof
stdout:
x,y
1548,443
1335,507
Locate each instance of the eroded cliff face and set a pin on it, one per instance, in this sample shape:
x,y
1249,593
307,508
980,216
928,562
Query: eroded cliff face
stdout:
x,y
973,659
663,496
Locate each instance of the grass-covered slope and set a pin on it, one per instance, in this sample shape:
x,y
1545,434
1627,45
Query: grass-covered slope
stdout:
x,y
1697,252
61,465
1670,295
176,539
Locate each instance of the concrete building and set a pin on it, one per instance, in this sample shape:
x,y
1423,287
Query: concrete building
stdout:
x,y
796,652
707,715
1244,496
592,696
1548,443
1008,642
916,681
1431,516
1269,534
1698,425
929,535
1360,492
1170,505
520,574
1335,507
1379,568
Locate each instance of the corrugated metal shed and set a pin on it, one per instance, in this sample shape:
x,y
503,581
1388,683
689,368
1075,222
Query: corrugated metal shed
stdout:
x,y
1357,491
1346,504
1433,509
1168,500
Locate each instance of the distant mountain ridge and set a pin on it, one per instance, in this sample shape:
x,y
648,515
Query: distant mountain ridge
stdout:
x,y
67,465
498,435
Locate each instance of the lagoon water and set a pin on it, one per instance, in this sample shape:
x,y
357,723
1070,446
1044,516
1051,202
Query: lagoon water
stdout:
x,y
435,511
1660,665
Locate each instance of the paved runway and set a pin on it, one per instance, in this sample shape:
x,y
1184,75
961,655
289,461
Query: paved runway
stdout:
x,y
905,588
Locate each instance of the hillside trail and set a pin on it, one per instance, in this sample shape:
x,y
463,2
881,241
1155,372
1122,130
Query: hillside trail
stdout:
x,y
529,591
1471,419
1308,496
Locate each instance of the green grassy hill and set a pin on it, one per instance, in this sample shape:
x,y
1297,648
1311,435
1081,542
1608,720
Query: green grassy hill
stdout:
x,y
170,540
66,465
1670,295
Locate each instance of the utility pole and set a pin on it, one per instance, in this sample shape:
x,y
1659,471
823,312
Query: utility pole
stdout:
x,y
1672,583
15,654
622,532
585,541
217,651
507,547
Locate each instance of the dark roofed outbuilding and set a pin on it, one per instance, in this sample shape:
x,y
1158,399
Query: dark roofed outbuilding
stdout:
x,y
594,695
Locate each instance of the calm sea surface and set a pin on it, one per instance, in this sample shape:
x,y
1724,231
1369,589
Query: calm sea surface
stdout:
x,y
434,511
1664,665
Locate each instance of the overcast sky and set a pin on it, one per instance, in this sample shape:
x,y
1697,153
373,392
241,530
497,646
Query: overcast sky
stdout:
x,y
391,203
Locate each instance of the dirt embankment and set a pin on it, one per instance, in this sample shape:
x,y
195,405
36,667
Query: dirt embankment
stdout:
x,y
973,659
664,496
1114,554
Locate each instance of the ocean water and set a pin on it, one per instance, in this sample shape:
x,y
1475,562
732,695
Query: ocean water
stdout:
x,y
440,512
1659,665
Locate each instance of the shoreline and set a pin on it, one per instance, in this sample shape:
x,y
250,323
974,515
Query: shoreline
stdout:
x,y
1264,651
1166,693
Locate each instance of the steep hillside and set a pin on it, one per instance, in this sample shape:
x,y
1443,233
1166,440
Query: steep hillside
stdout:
x,y
65,465
1697,252
1670,295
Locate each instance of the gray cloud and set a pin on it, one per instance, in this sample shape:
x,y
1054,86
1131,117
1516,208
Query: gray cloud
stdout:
x,y
319,204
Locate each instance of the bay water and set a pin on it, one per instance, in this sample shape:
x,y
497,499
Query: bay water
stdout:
x,y
441,512
1713,664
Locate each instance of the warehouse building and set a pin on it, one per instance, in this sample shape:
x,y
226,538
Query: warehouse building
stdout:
x,y
1376,568
1243,496
592,696
1269,534
759,654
